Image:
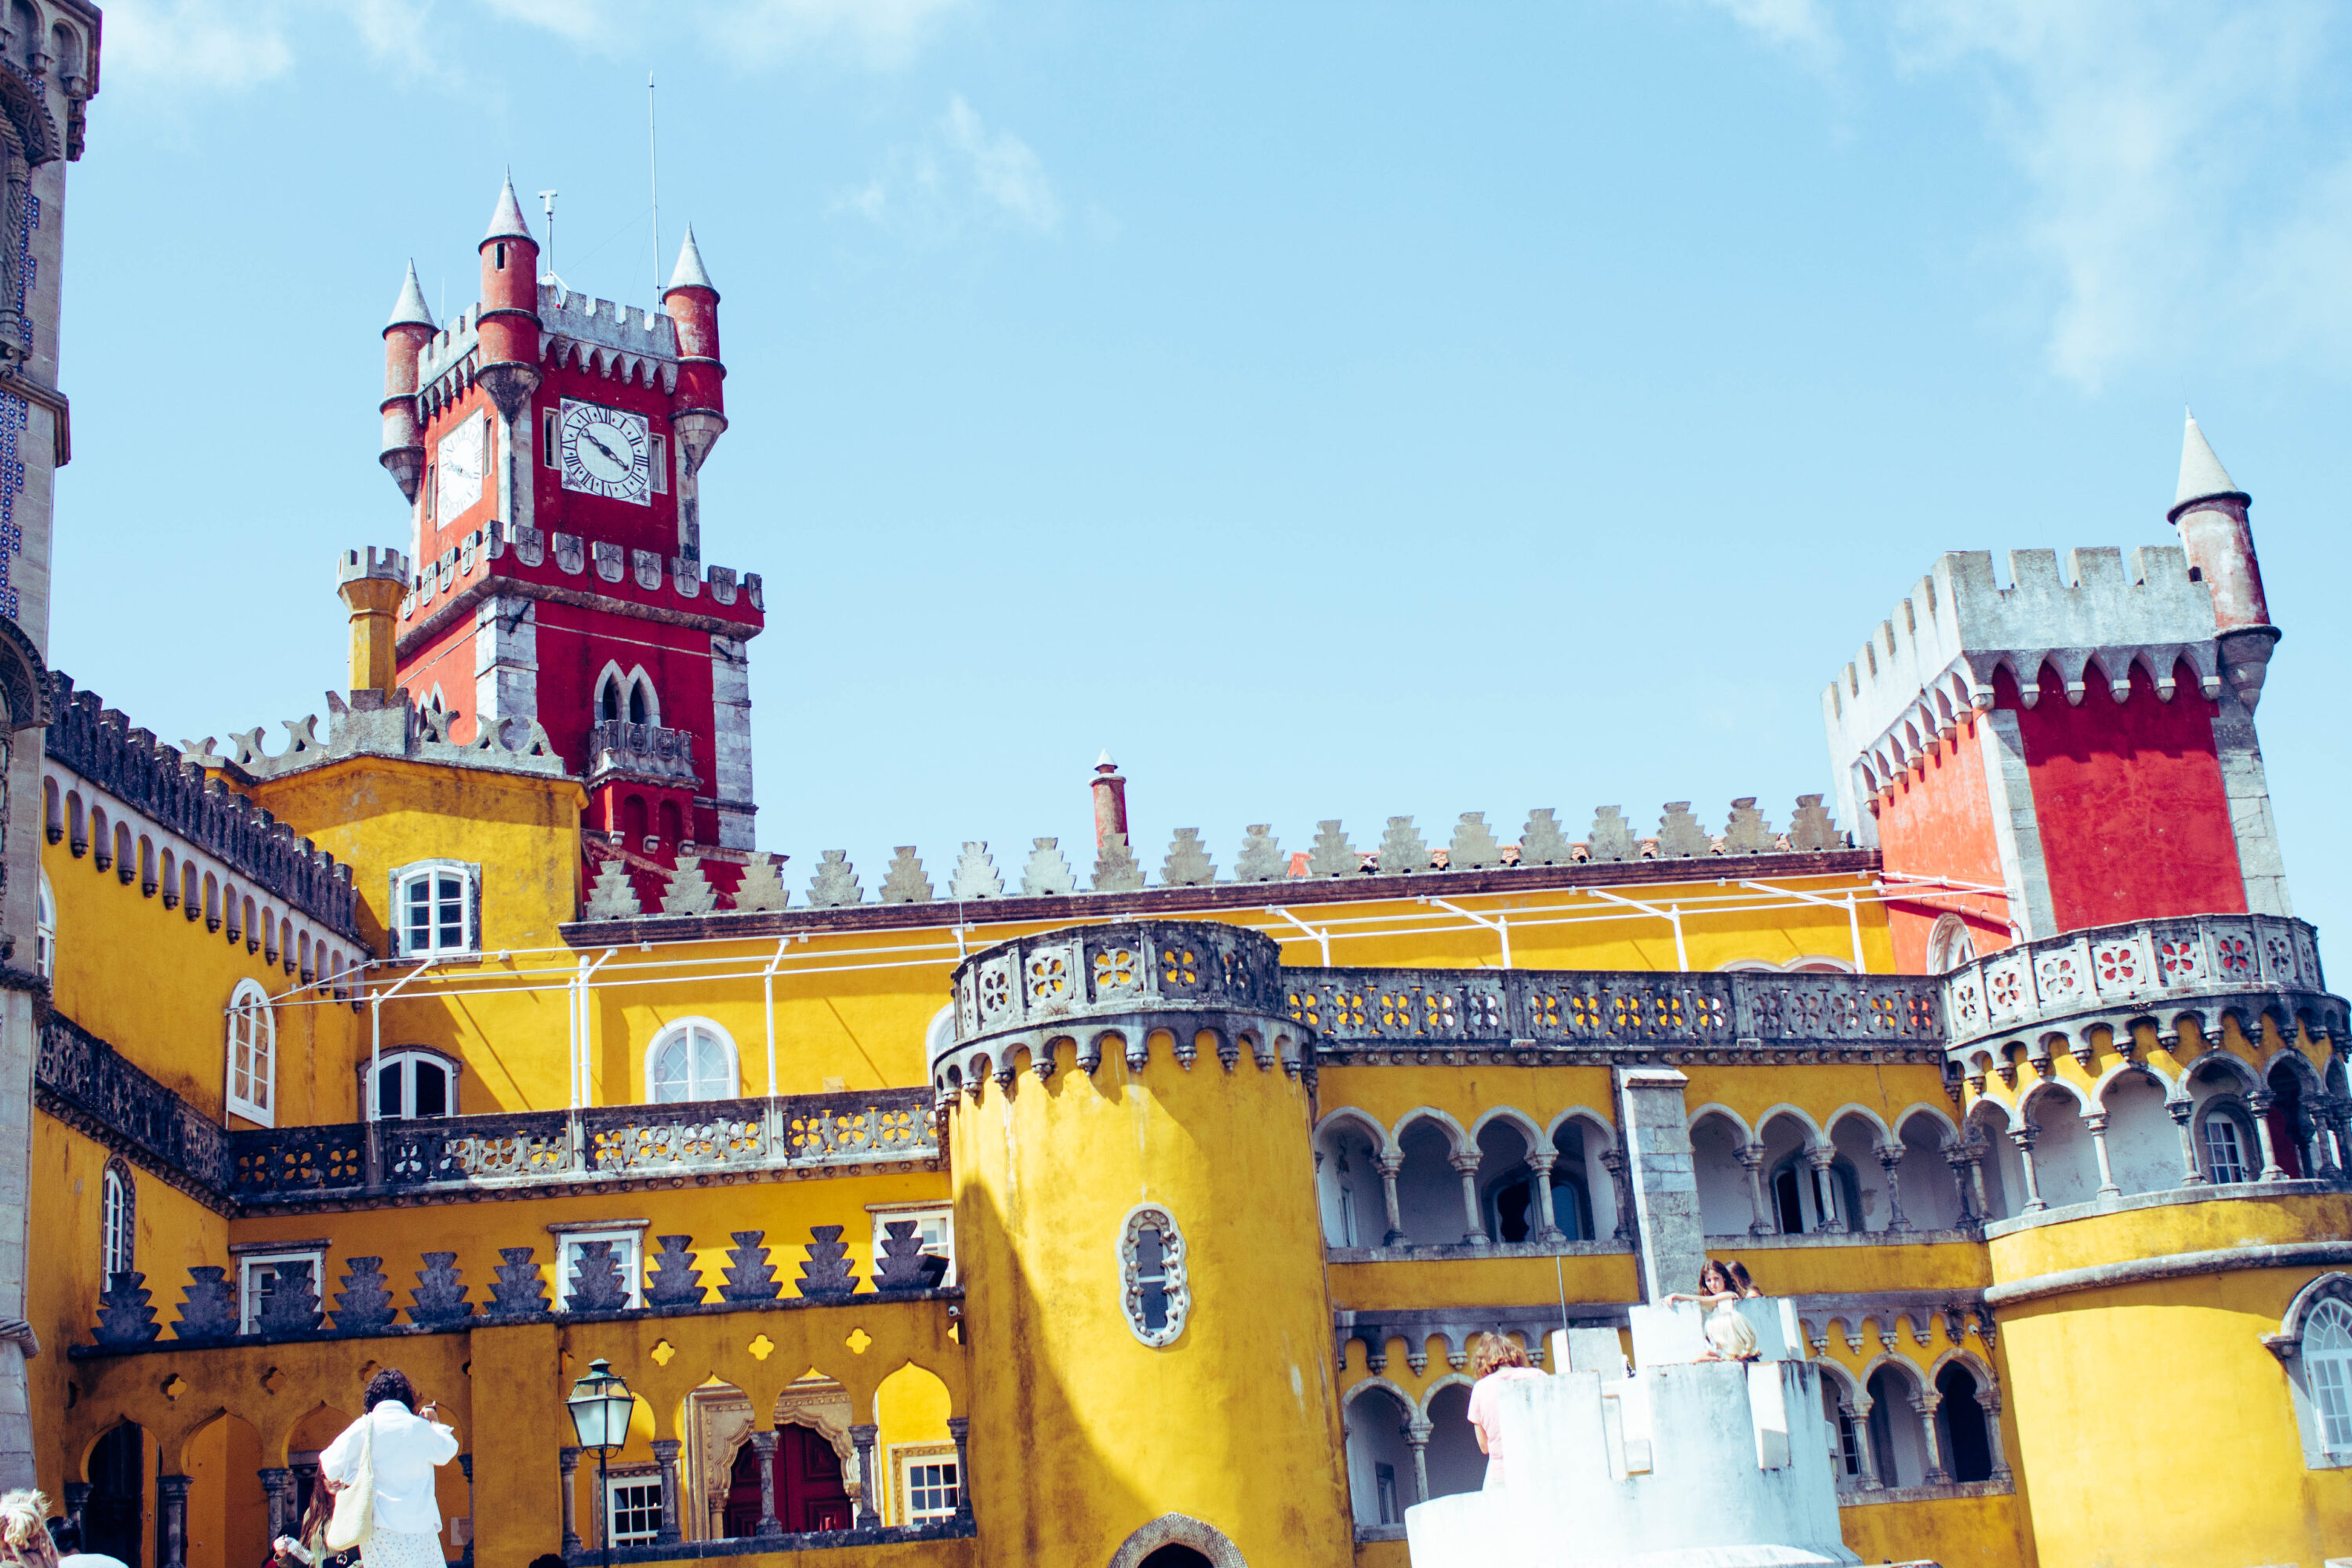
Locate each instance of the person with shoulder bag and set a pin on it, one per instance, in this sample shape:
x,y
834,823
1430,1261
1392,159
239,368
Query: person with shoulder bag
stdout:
x,y
381,1471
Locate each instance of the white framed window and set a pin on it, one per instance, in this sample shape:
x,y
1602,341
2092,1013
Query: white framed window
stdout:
x,y
929,1487
661,465
411,1084
1152,1284
934,1227
257,1275
252,1054
45,931
2225,1148
691,1059
118,1221
633,1508
628,1257
1950,943
2314,1345
435,906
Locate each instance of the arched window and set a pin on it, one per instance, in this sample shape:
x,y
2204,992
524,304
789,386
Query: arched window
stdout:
x,y
252,1054
2229,1146
694,1059
53,811
2327,1366
673,823
640,708
433,908
412,1083
1152,1286
608,700
45,932
1961,1423
1806,1199
1949,945
118,1221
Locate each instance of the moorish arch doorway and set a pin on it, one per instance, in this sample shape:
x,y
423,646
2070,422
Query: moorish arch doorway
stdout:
x,y
1177,1541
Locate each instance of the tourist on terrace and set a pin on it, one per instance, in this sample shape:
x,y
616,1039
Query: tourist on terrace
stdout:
x,y
1500,1360
1720,1293
400,1447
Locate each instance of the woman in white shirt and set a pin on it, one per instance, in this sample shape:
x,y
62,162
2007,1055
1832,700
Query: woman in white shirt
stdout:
x,y
407,1446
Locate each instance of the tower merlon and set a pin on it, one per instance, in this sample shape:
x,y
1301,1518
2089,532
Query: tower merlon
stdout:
x,y
370,562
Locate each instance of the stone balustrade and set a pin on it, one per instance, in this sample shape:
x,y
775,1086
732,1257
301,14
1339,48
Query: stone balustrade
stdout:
x,y
618,749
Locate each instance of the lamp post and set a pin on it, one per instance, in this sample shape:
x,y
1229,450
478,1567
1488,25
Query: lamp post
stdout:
x,y
600,1405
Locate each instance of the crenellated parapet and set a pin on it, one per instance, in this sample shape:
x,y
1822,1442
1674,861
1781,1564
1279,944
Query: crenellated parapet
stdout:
x,y
101,745
2059,993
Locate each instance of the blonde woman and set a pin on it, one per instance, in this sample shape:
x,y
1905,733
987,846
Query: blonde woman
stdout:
x,y
1499,1359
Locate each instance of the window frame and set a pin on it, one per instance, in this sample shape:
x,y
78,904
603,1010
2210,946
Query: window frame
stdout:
x,y
635,1476
405,1056
118,1222
883,1213
470,876
246,999
2228,1105
248,1291
683,1027
2334,1288
571,1237
1172,1281
45,931
903,1459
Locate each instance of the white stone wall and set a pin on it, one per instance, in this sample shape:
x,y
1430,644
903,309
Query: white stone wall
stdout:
x,y
730,746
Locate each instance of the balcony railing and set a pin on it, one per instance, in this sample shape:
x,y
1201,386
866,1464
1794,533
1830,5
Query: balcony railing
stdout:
x,y
2108,977
617,747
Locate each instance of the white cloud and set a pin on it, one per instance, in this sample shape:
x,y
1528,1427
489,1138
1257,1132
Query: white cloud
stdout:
x,y
1803,25
884,32
194,43
961,176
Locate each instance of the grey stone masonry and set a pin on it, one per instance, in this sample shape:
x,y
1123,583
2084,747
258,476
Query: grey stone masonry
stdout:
x,y
1671,1242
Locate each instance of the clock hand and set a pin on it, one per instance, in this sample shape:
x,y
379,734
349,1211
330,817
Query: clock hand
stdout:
x,y
604,448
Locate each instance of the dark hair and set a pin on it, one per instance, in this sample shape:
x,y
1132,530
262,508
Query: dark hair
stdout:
x,y
390,1384
1711,1267
547,1560
1741,1277
65,1534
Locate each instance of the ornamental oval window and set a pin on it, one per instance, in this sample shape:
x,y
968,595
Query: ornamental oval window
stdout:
x,y
1151,1275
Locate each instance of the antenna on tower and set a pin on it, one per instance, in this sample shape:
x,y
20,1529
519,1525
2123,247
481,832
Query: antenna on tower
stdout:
x,y
547,205
653,176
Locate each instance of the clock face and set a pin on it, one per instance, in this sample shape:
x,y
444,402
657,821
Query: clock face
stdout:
x,y
460,463
606,452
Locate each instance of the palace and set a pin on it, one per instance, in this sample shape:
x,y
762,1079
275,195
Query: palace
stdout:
x,y
1145,1211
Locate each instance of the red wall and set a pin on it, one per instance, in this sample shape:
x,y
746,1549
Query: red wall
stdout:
x,y
2134,821
1938,823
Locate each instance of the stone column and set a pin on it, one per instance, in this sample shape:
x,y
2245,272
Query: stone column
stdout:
x,y
1389,1165
1931,1444
763,1444
2023,1139
1890,1159
1864,1450
1962,1164
277,1490
1989,1401
1977,1156
1548,1231
171,1522
1416,1434
1474,1231
666,1450
567,1465
1671,1242
2184,1114
1614,1162
2097,1122
862,1439
2260,1103
959,1428
1751,1160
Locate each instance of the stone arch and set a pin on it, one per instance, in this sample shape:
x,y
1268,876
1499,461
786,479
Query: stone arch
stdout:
x,y
1431,1209
1350,1146
1717,1137
1507,1141
1925,1179
1455,1134
1890,1384
1455,1462
1716,1108
2143,1146
2065,1166
223,1457
1178,1530
1515,1117
1584,1187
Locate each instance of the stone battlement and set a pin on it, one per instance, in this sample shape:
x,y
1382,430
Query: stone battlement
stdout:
x,y
678,576
604,323
1936,659
387,563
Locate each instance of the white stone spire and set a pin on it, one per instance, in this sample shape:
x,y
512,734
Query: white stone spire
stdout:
x,y
2201,473
689,273
507,223
409,309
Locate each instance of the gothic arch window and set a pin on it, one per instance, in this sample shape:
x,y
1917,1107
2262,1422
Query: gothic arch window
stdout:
x,y
45,931
252,1054
626,696
1152,1285
2315,1345
118,1221
2226,1144
691,1059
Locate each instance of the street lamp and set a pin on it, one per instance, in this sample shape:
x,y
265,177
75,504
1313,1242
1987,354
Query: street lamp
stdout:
x,y
600,1405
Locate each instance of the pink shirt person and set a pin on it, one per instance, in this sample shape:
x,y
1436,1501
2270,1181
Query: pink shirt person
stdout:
x,y
1499,1360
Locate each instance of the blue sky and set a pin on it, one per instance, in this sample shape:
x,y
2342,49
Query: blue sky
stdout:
x,y
1335,410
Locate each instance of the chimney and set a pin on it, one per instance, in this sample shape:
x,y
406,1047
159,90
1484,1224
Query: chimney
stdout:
x,y
1110,802
372,582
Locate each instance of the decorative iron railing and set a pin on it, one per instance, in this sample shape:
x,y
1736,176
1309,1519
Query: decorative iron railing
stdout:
x,y
80,1078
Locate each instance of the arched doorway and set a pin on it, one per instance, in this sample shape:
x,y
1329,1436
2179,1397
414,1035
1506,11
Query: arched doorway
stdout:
x,y
809,1491
1177,1541
117,1504
1177,1557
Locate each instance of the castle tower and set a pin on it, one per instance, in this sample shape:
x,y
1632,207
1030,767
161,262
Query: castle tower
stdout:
x,y
558,441
2081,741
1133,1180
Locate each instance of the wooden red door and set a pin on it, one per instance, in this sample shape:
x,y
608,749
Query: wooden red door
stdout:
x,y
810,1491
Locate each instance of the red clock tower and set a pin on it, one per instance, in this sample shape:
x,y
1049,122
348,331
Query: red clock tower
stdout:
x,y
549,445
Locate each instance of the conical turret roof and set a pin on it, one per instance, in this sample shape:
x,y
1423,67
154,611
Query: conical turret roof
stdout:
x,y
507,221
2202,476
409,309
689,273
